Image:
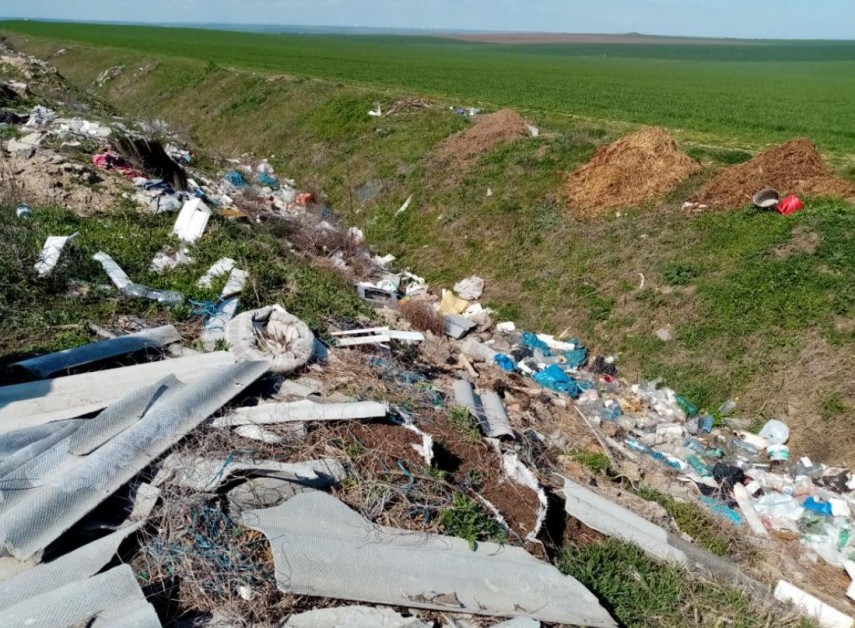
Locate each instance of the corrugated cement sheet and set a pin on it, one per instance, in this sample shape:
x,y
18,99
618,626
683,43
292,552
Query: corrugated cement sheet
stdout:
x,y
603,516
112,598
42,513
323,548
47,365
36,403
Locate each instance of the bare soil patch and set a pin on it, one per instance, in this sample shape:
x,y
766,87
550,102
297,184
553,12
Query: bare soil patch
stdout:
x,y
801,241
793,167
486,133
637,169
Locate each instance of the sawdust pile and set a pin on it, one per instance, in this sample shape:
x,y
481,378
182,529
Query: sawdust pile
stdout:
x,y
793,167
486,133
636,169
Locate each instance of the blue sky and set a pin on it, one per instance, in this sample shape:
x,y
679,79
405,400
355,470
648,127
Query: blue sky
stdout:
x,y
832,19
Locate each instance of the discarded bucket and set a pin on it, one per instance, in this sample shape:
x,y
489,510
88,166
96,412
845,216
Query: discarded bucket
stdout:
x,y
767,198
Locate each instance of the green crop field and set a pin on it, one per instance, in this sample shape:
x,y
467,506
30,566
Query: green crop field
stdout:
x,y
751,94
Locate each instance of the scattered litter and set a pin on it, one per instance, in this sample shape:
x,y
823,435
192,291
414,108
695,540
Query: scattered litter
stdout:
x,y
24,211
121,280
192,221
220,268
375,335
406,204
323,543
790,205
224,310
822,613
376,112
469,289
51,251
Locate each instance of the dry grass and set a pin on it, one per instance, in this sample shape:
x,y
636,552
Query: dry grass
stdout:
x,y
422,316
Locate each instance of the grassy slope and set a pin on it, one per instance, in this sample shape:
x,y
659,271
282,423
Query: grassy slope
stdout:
x,y
754,94
777,331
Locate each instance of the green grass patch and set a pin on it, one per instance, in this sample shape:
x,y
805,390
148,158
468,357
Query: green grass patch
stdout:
x,y
595,461
640,592
468,520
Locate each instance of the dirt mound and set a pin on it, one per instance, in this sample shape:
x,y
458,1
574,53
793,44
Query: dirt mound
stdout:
x,y
795,166
486,133
636,169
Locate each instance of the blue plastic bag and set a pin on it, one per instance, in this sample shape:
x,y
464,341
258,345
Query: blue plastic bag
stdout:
x,y
576,358
265,179
531,341
235,178
505,363
553,378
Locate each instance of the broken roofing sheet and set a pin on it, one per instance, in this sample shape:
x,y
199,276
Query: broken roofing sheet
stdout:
x,y
323,548
42,507
112,598
303,410
604,516
47,365
36,403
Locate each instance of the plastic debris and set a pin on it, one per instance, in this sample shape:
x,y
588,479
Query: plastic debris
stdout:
x,y
51,251
469,289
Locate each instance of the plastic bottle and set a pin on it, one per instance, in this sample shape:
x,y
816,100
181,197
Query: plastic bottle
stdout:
x,y
743,448
699,466
24,211
705,423
804,466
696,446
727,407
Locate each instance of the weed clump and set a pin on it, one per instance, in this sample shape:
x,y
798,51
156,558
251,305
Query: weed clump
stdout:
x,y
422,316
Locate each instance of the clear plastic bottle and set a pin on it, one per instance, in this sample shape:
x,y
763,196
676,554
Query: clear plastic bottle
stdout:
x,y
743,448
727,407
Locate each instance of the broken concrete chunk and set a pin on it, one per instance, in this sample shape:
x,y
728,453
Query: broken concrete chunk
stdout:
x,y
303,410
603,516
323,548
156,339
353,617
457,326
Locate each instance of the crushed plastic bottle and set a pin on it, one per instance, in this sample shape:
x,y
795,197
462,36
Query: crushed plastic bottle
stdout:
x,y
702,468
164,297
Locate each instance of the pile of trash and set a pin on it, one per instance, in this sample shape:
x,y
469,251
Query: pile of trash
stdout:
x,y
793,167
231,476
639,168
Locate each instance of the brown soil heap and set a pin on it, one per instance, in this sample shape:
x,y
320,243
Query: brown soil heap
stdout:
x,y
486,133
636,169
794,167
